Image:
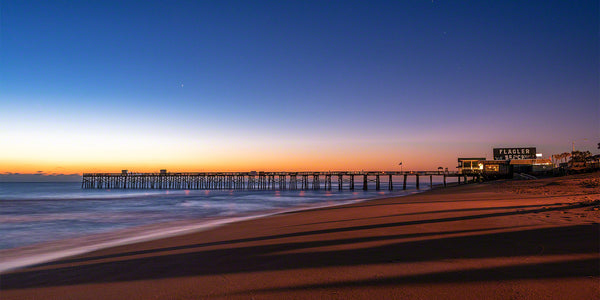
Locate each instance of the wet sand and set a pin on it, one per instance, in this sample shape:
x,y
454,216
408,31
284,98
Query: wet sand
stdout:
x,y
510,239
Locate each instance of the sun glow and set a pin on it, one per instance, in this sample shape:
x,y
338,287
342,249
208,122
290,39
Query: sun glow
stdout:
x,y
77,151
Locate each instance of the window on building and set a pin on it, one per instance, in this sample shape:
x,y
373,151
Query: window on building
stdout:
x,y
492,168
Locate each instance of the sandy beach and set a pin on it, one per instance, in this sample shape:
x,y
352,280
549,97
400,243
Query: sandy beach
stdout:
x,y
537,239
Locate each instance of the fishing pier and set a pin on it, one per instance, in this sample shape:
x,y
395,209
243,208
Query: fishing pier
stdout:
x,y
263,180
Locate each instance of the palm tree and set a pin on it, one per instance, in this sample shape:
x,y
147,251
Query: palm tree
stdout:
x,y
580,155
566,156
556,158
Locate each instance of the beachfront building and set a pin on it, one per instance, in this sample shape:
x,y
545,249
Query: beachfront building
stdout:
x,y
506,162
496,166
524,160
470,165
515,153
532,166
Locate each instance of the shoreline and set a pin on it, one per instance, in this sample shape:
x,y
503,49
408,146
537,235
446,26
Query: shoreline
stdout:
x,y
523,239
28,255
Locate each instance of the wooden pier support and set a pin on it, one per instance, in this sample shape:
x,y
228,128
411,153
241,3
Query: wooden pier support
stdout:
x,y
328,182
257,180
445,180
316,182
293,182
418,182
430,181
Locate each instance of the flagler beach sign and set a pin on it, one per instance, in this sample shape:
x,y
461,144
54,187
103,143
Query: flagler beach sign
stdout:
x,y
514,153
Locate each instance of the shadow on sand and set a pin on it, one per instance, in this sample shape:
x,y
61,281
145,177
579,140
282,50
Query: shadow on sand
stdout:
x,y
161,263
539,208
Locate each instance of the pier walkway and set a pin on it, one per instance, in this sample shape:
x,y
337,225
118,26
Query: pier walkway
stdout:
x,y
262,180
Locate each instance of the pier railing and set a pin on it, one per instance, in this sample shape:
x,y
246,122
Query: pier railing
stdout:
x,y
260,180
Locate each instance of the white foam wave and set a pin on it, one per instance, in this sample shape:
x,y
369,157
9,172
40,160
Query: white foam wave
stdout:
x,y
39,253
15,258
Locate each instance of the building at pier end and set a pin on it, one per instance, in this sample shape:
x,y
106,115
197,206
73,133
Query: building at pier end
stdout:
x,y
506,162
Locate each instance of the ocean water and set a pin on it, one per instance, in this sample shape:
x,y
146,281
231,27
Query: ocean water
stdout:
x,y
42,215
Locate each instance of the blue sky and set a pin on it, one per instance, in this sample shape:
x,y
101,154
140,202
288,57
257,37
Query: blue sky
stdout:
x,y
188,85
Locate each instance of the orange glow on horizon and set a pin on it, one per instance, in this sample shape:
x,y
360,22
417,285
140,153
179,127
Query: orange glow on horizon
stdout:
x,y
232,157
329,162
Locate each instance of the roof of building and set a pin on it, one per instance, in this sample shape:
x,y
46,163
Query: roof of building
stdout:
x,y
543,161
495,162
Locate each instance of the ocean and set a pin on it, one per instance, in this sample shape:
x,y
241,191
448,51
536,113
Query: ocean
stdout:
x,y
51,220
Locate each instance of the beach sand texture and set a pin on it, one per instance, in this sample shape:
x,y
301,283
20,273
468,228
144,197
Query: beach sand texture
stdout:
x,y
535,239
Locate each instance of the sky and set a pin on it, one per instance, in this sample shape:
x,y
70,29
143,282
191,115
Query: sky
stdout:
x,y
101,86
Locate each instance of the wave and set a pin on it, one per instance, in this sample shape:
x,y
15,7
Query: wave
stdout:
x,y
15,258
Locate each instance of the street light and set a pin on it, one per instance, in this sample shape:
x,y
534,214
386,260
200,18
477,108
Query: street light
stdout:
x,y
573,145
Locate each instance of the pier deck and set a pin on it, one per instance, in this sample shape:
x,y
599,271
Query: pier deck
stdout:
x,y
261,180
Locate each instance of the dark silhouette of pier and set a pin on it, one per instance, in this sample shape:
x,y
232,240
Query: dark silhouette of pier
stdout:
x,y
262,180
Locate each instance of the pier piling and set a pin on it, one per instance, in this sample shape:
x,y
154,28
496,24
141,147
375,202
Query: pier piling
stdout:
x,y
256,180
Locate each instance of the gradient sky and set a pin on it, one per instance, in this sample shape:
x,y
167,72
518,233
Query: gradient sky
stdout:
x,y
92,86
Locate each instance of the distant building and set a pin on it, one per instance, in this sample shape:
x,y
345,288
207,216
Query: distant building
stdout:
x,y
468,165
514,153
531,166
506,162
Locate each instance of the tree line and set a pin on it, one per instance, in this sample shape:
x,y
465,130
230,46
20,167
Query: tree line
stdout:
x,y
576,156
